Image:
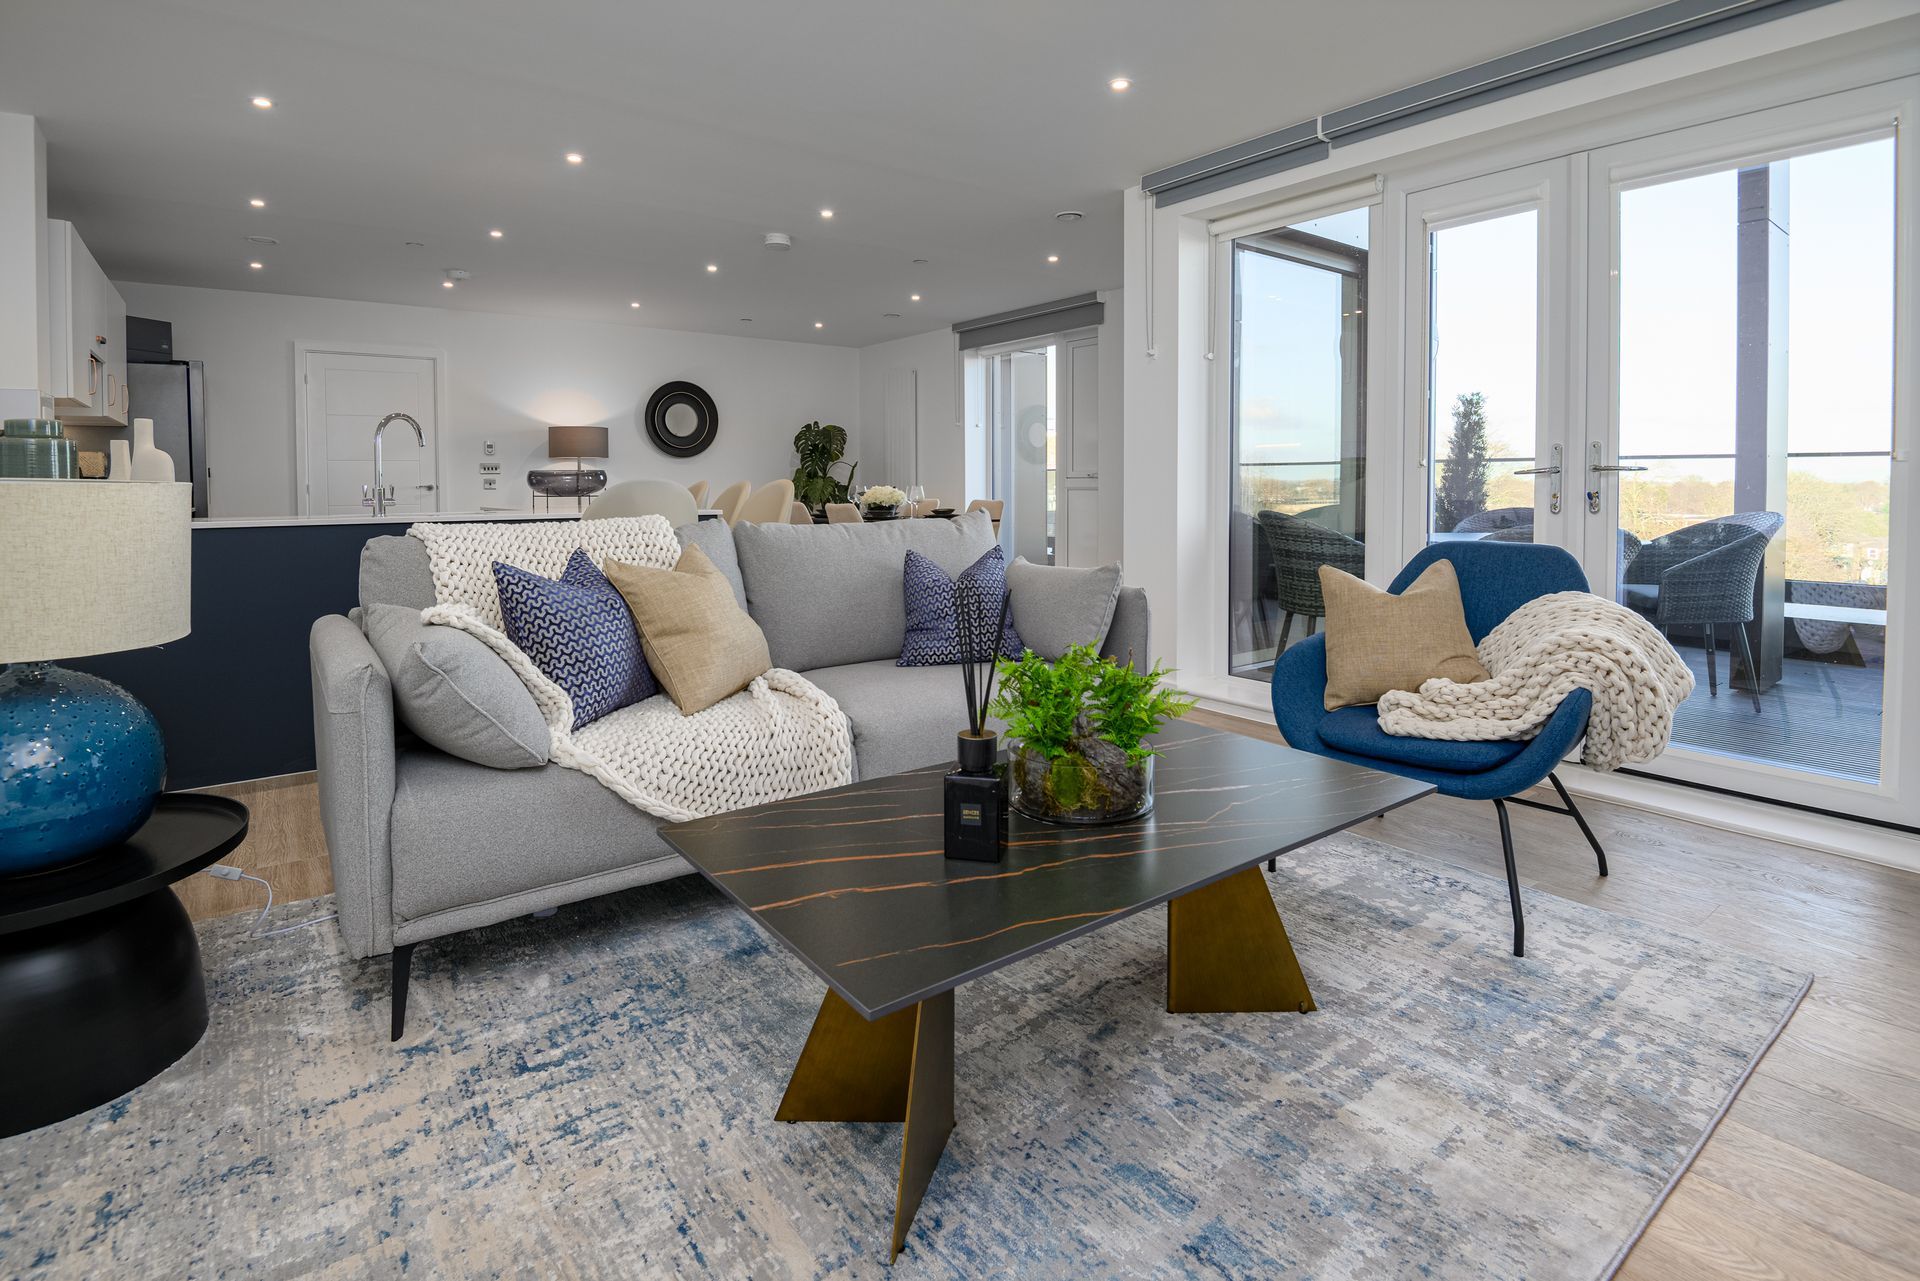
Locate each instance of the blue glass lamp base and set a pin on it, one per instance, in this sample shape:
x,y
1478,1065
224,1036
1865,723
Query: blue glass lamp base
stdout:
x,y
80,764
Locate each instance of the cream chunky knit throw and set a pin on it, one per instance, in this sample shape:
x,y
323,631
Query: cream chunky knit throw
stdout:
x,y
1547,648
781,736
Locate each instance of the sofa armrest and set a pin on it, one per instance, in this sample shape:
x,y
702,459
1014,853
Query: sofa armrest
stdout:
x,y
1300,692
1127,636
353,746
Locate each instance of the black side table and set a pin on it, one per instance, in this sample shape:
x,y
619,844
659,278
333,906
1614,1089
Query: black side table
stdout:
x,y
100,983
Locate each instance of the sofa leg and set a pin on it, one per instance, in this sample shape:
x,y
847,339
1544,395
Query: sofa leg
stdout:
x,y
402,969
1581,819
1513,880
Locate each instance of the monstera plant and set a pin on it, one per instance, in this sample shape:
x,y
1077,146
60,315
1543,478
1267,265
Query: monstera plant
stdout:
x,y
819,448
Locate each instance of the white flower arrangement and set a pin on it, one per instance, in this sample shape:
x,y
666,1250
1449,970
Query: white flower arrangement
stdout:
x,y
883,496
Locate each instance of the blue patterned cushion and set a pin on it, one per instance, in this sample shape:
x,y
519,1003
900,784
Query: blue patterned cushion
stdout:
x,y
933,631
577,630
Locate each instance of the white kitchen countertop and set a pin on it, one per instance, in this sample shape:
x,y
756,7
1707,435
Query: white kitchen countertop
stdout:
x,y
392,518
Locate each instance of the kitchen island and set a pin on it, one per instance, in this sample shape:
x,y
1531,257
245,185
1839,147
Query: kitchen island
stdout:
x,y
234,696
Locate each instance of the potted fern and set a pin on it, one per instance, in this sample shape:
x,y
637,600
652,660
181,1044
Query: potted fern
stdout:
x,y
1080,727
819,447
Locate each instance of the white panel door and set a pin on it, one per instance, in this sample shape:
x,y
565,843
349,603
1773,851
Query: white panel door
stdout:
x,y
346,396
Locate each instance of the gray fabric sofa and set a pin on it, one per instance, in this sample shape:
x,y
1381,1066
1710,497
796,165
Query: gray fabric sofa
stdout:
x,y
425,844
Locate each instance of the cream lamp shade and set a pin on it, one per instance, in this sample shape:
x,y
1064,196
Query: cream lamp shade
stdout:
x,y
576,442
90,567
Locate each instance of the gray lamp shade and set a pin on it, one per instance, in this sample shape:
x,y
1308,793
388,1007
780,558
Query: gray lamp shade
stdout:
x,y
91,567
576,442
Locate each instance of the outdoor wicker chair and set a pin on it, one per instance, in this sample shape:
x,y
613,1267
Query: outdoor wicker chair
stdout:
x,y
1300,547
1703,576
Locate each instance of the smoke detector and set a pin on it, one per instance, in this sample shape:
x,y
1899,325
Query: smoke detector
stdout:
x,y
1069,215
262,240
454,273
778,240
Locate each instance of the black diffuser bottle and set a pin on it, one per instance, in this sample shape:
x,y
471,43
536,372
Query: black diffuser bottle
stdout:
x,y
976,826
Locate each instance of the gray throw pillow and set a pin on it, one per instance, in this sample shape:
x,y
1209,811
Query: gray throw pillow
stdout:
x,y
1055,606
456,693
715,538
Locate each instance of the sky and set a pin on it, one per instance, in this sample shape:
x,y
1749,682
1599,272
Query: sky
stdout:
x,y
1677,295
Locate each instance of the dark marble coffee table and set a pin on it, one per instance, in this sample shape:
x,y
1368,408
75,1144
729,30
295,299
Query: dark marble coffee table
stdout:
x,y
855,883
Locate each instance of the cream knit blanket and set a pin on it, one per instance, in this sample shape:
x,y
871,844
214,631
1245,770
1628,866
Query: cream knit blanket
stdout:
x,y
781,736
1543,651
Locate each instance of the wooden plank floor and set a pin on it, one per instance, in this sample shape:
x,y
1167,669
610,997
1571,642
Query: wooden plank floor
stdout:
x,y
1816,1171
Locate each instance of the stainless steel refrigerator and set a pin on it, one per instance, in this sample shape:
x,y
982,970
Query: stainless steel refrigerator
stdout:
x,y
173,394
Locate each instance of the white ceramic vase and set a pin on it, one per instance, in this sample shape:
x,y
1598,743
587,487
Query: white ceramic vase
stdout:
x,y
150,462
119,460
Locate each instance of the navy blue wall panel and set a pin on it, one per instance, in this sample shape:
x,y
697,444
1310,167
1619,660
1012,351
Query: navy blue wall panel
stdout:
x,y
234,697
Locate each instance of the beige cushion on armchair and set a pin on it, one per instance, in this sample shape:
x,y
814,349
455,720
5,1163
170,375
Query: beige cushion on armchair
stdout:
x,y
1377,641
701,645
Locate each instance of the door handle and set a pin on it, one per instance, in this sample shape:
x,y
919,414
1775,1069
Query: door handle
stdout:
x,y
1595,467
1552,469
428,487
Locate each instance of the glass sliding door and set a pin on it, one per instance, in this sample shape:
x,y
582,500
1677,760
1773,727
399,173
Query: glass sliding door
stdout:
x,y
1296,475
1752,445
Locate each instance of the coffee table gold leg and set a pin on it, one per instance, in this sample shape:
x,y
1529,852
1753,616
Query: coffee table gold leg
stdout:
x,y
1227,951
896,1068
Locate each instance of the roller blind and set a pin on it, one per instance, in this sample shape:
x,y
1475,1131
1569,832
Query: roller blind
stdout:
x,y
1077,312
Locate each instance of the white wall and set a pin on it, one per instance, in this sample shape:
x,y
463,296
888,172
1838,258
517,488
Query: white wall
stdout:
x,y
886,448
24,345
508,378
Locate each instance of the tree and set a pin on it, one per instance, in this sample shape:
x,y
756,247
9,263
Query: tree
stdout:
x,y
1463,477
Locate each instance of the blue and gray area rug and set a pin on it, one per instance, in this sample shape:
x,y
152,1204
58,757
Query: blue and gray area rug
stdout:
x,y
592,1095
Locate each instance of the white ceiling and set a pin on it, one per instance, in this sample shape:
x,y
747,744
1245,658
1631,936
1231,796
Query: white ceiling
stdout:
x,y
950,132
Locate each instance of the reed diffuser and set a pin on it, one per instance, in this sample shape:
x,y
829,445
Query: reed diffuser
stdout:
x,y
976,810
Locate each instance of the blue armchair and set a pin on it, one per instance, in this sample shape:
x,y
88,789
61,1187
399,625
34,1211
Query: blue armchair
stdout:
x,y
1495,579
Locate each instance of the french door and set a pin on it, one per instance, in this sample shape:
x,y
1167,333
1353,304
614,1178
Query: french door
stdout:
x,y
1688,359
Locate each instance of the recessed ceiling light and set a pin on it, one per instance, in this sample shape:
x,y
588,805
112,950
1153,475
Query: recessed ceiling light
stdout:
x,y
1053,257
819,324
257,203
416,244
919,262
575,158
263,103
826,213
746,320
1069,215
713,266
261,240
496,233
913,297
633,304
889,315
1119,84
446,284
256,265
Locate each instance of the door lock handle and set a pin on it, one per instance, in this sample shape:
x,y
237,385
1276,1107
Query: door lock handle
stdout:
x,y
1614,467
1551,469
1539,471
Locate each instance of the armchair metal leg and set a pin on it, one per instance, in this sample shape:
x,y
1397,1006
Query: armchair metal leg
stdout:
x,y
402,970
1746,654
1581,819
1513,880
1286,625
1713,654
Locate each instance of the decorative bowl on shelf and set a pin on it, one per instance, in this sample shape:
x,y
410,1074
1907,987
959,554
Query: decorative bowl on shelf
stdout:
x,y
566,483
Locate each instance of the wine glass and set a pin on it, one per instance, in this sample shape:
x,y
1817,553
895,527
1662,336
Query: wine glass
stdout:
x,y
915,494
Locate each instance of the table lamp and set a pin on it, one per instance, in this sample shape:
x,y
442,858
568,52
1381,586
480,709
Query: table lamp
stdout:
x,y
575,443
86,567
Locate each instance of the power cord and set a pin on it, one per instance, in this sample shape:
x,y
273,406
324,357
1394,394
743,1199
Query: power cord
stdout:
x,y
229,873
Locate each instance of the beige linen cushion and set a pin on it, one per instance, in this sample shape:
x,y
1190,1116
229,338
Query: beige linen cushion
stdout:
x,y
1377,641
701,645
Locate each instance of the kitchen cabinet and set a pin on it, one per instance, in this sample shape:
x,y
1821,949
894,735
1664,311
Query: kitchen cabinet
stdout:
x,y
88,324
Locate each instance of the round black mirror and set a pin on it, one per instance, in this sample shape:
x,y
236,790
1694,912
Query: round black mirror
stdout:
x,y
681,419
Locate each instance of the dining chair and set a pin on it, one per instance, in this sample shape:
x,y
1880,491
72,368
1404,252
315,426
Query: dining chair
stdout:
x,y
992,506
842,514
799,515
1299,548
644,498
699,491
771,504
730,500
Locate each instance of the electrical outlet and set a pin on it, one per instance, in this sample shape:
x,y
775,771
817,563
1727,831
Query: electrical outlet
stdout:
x,y
489,483
489,469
